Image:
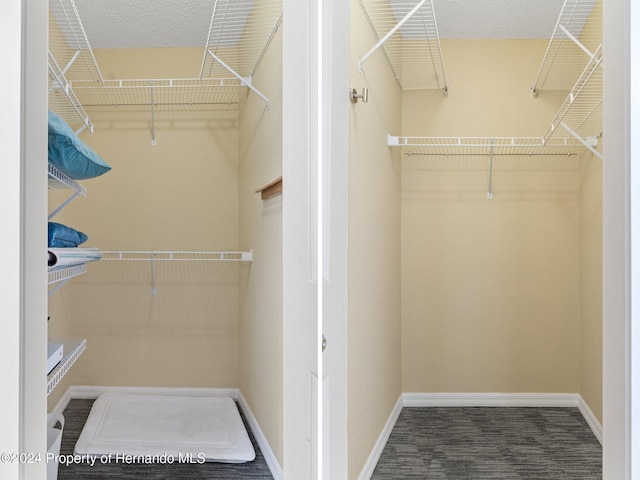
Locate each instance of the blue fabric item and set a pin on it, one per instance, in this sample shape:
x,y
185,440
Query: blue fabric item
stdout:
x,y
70,154
63,236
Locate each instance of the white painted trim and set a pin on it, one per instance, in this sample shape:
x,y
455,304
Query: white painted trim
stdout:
x,y
374,456
63,402
91,391
590,418
490,399
263,443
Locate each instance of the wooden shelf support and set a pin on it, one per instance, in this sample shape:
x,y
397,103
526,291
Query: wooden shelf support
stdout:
x,y
270,189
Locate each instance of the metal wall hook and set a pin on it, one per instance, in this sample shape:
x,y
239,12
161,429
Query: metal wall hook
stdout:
x,y
354,96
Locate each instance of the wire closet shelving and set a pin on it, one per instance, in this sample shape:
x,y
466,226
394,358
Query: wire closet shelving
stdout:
x,y
573,61
407,32
239,34
489,147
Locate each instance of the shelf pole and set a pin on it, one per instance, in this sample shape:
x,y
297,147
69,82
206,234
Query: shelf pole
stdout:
x,y
153,274
489,192
390,33
153,116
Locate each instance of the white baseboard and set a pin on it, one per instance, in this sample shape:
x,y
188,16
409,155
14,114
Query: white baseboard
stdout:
x,y
490,399
374,456
413,399
590,418
91,392
63,402
267,452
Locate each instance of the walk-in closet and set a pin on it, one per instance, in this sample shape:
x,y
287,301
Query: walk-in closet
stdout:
x,y
475,216
185,294
383,238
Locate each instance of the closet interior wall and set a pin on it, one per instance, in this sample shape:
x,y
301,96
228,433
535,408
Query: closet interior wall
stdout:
x,y
209,324
374,371
502,294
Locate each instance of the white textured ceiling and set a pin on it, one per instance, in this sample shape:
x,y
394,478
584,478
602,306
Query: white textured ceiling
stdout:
x,y
146,23
500,19
170,23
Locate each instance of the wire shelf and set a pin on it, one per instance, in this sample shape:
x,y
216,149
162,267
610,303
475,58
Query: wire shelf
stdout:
x,y
60,274
575,39
481,146
74,348
161,94
70,58
59,180
69,44
239,33
581,112
140,255
410,43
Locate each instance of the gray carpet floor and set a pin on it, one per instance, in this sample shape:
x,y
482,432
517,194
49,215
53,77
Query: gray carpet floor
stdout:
x,y
75,416
490,443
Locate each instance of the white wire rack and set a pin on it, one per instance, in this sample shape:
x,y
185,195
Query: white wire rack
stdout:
x,y
408,34
574,41
73,348
161,94
140,255
489,147
526,146
573,61
59,180
239,34
60,276
70,59
581,113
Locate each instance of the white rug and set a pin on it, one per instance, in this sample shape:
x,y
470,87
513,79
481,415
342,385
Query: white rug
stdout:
x,y
202,428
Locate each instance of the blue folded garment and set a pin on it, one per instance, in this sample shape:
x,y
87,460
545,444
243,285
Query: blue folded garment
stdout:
x,y
63,236
70,154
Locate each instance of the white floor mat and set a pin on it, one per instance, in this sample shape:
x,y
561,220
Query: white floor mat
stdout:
x,y
207,428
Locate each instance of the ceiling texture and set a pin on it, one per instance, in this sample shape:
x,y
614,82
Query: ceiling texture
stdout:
x,y
168,23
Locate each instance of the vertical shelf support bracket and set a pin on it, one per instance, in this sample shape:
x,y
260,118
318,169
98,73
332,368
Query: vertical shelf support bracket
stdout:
x,y
489,191
390,33
245,81
153,273
153,115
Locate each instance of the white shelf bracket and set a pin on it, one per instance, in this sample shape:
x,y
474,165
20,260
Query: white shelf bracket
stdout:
x,y
62,205
588,144
389,34
393,141
246,82
575,40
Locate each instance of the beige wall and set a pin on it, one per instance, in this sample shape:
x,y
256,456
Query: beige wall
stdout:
x,y
500,295
261,230
374,383
181,194
591,284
